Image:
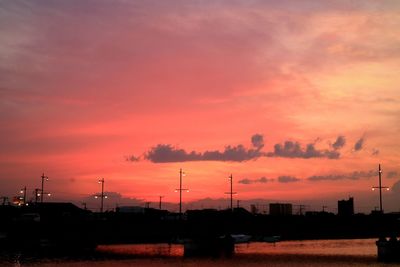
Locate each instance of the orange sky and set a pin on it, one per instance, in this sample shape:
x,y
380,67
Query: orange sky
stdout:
x,y
84,85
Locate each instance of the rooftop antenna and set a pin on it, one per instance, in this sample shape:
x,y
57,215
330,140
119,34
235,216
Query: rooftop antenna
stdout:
x,y
231,193
380,187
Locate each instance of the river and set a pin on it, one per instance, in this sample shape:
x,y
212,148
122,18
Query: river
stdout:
x,y
310,253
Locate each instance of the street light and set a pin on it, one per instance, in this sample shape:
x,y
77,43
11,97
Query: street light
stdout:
x,y
42,190
23,191
102,196
231,193
380,187
181,174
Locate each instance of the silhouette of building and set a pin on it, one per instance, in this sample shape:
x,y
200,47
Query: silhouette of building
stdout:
x,y
346,207
279,209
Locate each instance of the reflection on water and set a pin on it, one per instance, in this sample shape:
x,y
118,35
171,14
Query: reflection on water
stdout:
x,y
354,247
157,250
356,252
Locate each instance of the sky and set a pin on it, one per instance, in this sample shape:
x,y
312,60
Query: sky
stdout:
x,y
298,100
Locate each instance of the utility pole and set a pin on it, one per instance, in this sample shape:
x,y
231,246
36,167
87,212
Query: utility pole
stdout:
x,y
159,204
42,191
231,193
380,189
323,208
102,196
84,205
181,173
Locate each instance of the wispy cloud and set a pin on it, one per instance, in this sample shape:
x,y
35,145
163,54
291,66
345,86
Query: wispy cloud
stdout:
x,y
359,144
287,179
356,175
339,143
262,180
375,152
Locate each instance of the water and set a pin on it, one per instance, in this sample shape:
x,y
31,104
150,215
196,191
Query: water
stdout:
x,y
355,252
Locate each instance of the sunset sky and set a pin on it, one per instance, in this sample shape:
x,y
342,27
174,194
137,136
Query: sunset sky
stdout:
x,y
299,100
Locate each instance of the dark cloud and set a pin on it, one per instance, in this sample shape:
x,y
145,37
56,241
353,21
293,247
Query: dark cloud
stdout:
x,y
258,141
359,144
162,153
392,174
339,143
168,153
292,149
348,176
287,179
262,180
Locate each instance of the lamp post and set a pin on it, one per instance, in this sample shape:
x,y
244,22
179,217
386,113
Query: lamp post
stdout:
x,y
231,193
102,196
42,190
181,173
23,191
380,187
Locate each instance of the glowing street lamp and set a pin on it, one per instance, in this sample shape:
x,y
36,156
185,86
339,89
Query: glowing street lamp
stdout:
x,y
23,191
231,193
42,190
380,187
102,196
181,174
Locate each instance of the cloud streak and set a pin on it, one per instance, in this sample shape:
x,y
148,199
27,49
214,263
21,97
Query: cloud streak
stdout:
x,y
339,143
357,175
288,179
261,180
359,144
